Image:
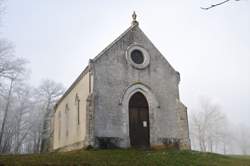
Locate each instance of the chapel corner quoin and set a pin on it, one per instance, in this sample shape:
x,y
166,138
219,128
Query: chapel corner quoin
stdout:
x,y
127,96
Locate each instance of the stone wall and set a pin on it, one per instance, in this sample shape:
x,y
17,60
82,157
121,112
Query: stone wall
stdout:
x,y
114,78
68,133
183,126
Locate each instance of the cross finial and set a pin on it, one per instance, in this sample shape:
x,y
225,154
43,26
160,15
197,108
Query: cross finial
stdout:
x,y
134,22
134,16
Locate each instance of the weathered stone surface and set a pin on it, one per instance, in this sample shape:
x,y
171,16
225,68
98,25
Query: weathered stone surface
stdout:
x,y
113,76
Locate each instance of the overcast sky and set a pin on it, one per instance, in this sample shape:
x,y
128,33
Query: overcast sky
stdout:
x,y
210,49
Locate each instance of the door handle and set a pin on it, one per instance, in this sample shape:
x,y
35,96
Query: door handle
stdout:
x,y
144,123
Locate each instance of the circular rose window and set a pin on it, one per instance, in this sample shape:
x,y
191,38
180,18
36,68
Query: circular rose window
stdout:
x,y
137,56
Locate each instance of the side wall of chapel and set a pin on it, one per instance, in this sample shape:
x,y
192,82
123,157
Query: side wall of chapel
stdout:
x,y
69,131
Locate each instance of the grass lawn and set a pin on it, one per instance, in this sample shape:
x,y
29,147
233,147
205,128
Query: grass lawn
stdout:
x,y
128,157
241,156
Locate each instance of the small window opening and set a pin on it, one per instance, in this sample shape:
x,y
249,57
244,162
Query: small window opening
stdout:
x,y
67,119
137,56
59,125
77,102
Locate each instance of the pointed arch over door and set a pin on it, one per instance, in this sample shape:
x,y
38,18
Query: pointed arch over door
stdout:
x,y
139,120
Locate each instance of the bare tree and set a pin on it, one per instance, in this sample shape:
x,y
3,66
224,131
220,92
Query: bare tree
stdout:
x,y
12,69
48,93
22,115
226,137
10,66
5,115
208,126
12,81
242,139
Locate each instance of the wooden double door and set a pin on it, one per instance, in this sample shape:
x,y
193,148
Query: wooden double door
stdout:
x,y
139,121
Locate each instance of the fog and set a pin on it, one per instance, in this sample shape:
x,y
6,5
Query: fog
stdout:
x,y
210,48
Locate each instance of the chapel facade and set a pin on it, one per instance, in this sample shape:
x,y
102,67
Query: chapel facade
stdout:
x,y
127,96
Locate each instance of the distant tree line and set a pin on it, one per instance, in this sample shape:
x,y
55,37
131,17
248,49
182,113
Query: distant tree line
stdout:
x,y
25,111
211,131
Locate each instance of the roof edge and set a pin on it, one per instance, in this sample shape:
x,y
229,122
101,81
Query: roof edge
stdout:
x,y
94,59
157,50
83,73
115,41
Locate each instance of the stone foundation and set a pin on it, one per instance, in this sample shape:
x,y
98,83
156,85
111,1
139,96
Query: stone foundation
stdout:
x,y
75,146
107,142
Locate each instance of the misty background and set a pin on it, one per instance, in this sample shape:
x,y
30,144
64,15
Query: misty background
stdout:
x,y
210,48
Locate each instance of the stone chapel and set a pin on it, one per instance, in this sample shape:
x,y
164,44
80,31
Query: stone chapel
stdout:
x,y
127,96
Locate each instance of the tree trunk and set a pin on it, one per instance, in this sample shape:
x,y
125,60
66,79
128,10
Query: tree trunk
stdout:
x,y
5,114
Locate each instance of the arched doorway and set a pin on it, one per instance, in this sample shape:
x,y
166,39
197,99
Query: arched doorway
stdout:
x,y
138,120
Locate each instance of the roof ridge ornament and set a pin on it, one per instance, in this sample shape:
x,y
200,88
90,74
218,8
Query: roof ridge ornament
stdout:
x,y
134,22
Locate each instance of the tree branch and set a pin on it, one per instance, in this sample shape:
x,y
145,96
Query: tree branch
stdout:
x,y
217,4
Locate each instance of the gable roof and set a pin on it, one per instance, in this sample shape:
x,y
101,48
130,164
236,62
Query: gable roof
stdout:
x,y
87,69
134,25
83,73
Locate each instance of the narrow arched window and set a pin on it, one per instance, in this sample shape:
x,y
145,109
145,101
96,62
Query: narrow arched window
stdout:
x,y
77,102
59,125
67,119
